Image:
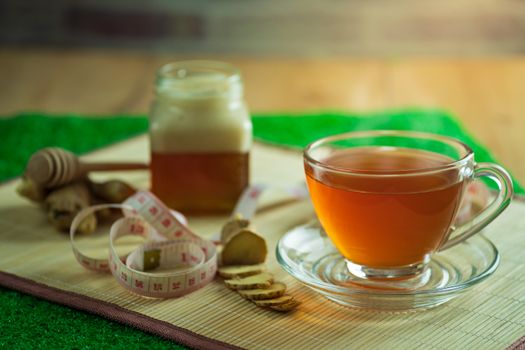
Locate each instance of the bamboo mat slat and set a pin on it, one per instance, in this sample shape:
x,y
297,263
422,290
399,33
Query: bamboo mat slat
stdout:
x,y
489,316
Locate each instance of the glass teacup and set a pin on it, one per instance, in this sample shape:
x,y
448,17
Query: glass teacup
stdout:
x,y
388,199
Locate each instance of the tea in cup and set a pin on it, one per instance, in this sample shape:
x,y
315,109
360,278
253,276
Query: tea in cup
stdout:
x,y
388,199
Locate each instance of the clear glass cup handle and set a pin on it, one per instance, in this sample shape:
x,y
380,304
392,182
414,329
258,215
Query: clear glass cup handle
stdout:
x,y
483,218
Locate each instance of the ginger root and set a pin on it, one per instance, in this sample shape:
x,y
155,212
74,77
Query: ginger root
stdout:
x,y
261,281
283,303
276,301
233,226
241,245
112,191
244,248
286,306
29,189
275,290
242,258
63,205
240,271
260,289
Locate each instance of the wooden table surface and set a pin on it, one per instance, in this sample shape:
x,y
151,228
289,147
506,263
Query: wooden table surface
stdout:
x,y
488,95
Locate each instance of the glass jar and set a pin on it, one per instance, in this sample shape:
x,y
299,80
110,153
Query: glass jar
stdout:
x,y
200,137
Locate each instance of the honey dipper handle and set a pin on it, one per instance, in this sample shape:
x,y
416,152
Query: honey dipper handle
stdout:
x,y
88,167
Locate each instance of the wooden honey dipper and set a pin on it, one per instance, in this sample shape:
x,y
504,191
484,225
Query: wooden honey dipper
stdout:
x,y
51,167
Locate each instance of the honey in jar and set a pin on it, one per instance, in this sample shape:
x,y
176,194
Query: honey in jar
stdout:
x,y
200,137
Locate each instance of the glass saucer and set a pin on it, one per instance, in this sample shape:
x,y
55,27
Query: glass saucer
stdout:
x,y
307,254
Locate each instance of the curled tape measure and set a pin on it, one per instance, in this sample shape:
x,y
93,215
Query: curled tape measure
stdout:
x,y
170,245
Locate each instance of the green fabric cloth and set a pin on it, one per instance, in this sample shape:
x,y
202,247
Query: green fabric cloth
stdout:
x,y
23,134
29,322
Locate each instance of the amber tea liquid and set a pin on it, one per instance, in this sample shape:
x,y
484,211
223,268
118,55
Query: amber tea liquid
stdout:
x,y
199,183
385,221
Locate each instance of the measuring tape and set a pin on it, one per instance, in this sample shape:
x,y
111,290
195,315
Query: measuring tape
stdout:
x,y
170,245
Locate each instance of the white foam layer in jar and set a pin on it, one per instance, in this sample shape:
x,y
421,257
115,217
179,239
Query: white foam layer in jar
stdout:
x,y
202,113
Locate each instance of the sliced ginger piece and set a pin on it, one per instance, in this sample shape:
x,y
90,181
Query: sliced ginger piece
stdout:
x,y
244,248
233,226
285,307
259,281
275,301
240,271
276,290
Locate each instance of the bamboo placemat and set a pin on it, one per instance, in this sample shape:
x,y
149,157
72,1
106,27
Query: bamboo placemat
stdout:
x,y
490,316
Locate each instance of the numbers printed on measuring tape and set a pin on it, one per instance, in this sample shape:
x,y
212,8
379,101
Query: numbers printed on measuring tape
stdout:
x,y
166,234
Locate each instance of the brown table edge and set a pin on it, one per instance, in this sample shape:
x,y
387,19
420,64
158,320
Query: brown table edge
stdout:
x,y
518,344
112,312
